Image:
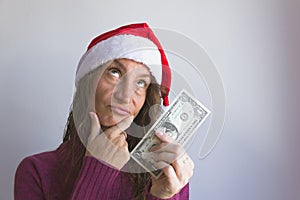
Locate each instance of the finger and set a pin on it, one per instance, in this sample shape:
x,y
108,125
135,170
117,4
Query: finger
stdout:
x,y
184,168
120,141
164,137
170,172
121,156
124,134
115,131
160,164
158,147
95,126
168,147
165,157
168,152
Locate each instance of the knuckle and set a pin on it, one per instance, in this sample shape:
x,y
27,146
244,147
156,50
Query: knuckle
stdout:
x,y
119,142
124,135
193,165
190,174
177,149
109,136
125,144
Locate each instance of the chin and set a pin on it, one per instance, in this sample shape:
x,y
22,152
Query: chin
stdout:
x,y
111,121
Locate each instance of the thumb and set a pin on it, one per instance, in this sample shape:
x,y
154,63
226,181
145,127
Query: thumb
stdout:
x,y
119,128
164,137
95,126
125,123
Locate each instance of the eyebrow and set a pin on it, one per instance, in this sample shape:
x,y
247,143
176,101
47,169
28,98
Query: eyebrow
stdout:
x,y
119,63
123,66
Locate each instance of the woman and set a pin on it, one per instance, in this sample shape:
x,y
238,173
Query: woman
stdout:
x,y
119,82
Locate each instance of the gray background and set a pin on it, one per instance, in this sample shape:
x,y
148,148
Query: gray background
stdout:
x,y
254,44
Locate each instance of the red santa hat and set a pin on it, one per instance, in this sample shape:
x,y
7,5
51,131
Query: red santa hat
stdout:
x,y
136,42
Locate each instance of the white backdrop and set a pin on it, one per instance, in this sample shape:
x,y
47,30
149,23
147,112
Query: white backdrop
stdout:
x,y
254,44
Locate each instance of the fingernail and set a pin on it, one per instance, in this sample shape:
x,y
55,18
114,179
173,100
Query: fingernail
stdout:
x,y
159,133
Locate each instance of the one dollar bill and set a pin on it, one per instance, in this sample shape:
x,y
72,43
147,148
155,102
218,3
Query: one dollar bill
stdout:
x,y
180,121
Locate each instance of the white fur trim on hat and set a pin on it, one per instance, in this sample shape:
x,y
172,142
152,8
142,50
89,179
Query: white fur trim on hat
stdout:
x,y
137,48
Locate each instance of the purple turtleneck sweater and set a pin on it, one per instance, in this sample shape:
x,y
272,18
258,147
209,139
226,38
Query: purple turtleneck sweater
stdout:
x,y
43,176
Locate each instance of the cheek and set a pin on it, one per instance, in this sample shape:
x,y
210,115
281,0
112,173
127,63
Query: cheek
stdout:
x,y
139,103
102,95
98,95
98,98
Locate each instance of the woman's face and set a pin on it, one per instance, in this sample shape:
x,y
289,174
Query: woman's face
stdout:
x,y
121,91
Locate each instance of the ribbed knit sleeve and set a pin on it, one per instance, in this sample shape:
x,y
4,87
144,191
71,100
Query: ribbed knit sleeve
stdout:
x,y
43,176
95,180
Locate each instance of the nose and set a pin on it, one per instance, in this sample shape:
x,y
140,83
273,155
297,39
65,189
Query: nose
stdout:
x,y
124,90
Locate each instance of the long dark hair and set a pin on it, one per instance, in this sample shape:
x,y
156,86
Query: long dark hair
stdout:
x,y
79,122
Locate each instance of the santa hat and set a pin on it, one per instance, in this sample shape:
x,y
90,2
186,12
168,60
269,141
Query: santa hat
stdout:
x,y
136,42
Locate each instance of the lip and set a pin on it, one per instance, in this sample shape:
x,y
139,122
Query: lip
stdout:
x,y
120,110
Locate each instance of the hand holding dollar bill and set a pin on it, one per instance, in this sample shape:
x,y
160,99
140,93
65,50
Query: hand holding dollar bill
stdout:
x,y
180,121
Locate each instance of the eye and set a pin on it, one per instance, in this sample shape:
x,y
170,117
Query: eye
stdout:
x,y
141,84
114,72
